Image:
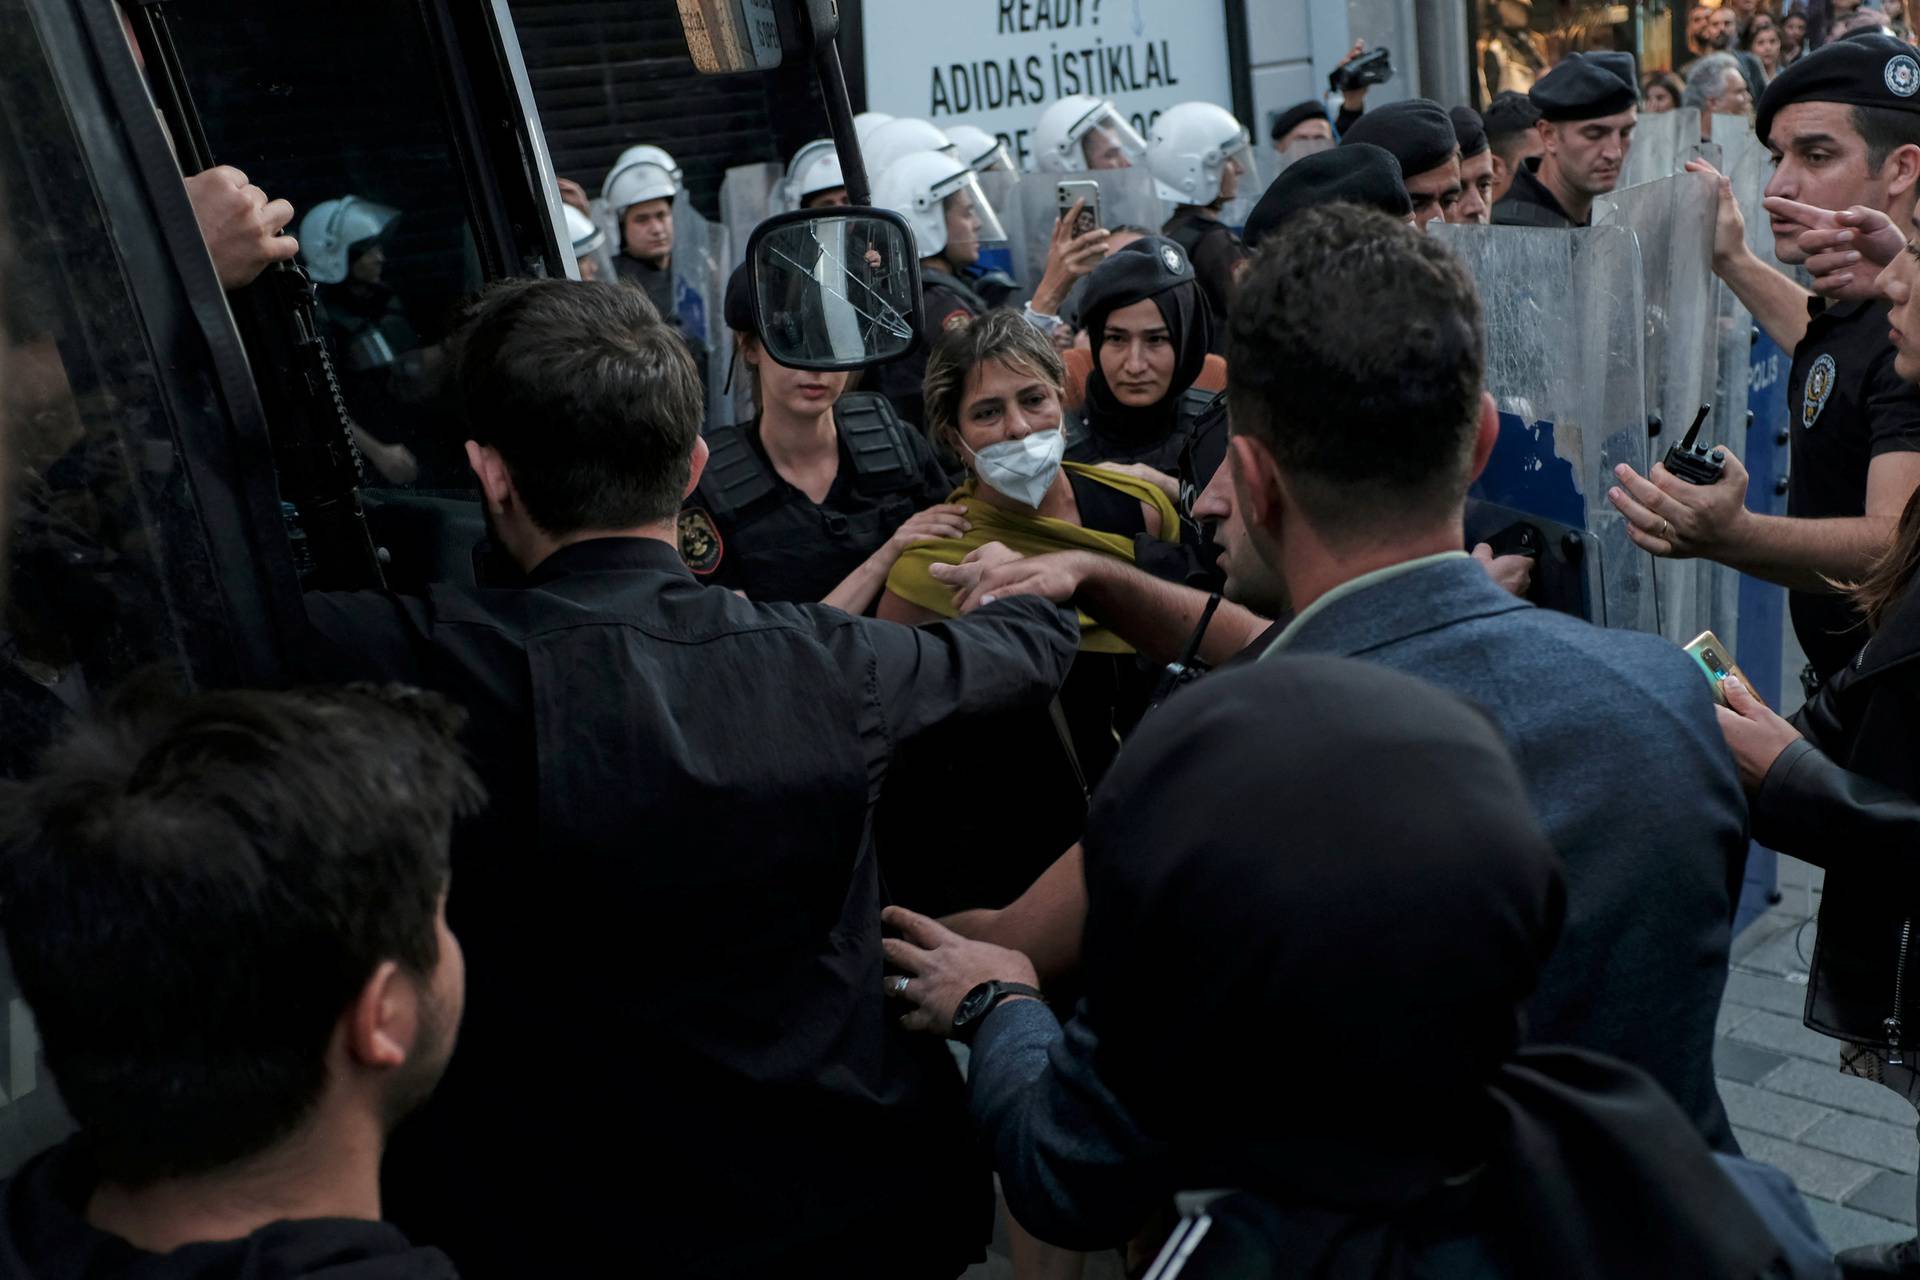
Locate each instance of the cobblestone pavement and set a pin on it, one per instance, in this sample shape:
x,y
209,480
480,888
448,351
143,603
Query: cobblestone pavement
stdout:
x,y
1848,1144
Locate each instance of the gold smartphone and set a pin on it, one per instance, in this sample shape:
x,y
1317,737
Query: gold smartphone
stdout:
x,y
1714,659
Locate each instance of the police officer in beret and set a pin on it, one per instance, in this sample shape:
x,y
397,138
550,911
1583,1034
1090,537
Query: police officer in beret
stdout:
x,y
1476,168
1512,139
1844,124
817,495
1419,133
1358,173
1588,107
1302,122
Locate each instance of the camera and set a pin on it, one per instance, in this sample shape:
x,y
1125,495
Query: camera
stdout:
x,y
1371,68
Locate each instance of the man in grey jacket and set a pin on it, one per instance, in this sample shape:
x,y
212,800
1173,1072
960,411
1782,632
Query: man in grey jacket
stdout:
x,y
1356,433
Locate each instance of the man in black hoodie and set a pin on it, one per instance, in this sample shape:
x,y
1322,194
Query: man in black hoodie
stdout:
x,y
228,915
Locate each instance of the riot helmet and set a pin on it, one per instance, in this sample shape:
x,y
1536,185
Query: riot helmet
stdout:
x,y
866,122
979,150
1192,146
651,155
1081,132
931,191
336,232
814,171
635,182
585,235
903,137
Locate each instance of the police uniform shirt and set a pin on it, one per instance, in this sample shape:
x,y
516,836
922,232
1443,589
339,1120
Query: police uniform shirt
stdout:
x,y
788,547
670,913
950,304
1216,253
1528,203
1847,407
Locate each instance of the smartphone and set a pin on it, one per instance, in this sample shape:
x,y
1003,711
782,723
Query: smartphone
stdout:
x,y
1089,219
1714,659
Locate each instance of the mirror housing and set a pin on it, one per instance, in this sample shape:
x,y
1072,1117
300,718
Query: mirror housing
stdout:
x,y
835,289
729,37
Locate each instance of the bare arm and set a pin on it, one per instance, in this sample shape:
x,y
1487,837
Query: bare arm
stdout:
x,y
1045,922
857,590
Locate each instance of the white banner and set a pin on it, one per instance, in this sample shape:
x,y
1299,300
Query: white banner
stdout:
x,y
996,64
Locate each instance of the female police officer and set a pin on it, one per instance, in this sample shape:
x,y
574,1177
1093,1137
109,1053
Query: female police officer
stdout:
x,y
817,496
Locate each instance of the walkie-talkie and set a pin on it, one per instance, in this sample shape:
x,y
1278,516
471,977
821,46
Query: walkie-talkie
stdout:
x,y
1697,464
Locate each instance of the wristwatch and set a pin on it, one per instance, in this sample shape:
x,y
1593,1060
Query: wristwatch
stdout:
x,y
979,1002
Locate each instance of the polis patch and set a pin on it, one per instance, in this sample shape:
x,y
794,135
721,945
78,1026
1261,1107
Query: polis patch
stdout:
x,y
1819,387
700,544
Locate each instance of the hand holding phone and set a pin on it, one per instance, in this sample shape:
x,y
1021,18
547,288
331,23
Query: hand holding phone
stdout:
x,y
1087,195
1718,664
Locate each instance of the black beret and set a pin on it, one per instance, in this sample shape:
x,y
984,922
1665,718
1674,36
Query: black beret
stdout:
x,y
738,306
1293,117
1863,71
1353,173
1509,113
1471,130
1585,86
1136,271
1418,132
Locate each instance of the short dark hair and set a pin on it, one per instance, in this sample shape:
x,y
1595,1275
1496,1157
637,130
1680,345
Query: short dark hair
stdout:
x,y
1357,348
592,400
1002,335
1885,131
194,889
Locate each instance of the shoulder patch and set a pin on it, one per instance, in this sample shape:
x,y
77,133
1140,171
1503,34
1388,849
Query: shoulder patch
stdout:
x,y
1819,387
958,318
700,544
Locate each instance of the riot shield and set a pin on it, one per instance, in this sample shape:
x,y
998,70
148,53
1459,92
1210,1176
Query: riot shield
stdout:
x,y
1126,199
1564,364
1001,187
749,195
1662,145
702,261
1673,219
1267,165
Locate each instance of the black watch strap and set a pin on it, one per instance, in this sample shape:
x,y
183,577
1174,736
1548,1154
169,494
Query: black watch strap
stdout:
x,y
983,1000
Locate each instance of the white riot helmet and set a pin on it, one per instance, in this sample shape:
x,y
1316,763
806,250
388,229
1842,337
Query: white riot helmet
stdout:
x,y
815,168
636,181
917,187
902,137
333,227
979,150
1192,144
586,237
1060,135
866,122
652,155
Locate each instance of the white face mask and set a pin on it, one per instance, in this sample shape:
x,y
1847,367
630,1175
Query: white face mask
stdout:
x,y
1023,469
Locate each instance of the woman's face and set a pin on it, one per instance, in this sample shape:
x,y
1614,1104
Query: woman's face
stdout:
x,y
796,393
963,230
1766,47
1796,29
1137,354
1002,402
1897,285
1659,100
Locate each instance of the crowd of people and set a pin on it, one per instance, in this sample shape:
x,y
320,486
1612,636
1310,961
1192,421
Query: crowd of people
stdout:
x,y
1087,778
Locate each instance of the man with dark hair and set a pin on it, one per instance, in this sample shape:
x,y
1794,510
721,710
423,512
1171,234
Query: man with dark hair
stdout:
x,y
1844,126
1419,133
1509,121
1588,110
674,903
1476,167
1356,432
227,913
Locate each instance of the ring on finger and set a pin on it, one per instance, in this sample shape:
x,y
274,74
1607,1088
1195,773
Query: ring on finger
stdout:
x,y
898,984
1666,529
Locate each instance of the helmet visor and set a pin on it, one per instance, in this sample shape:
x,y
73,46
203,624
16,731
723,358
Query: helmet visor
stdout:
x,y
1237,154
1107,140
971,218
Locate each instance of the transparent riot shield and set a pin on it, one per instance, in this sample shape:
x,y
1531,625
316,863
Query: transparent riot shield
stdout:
x,y
1126,199
1662,145
1564,364
702,261
1001,187
749,195
1673,219
1267,165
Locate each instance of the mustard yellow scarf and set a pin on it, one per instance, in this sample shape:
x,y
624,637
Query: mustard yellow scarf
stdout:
x,y
1030,536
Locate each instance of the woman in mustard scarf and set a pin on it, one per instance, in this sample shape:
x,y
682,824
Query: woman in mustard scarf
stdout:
x,y
993,397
